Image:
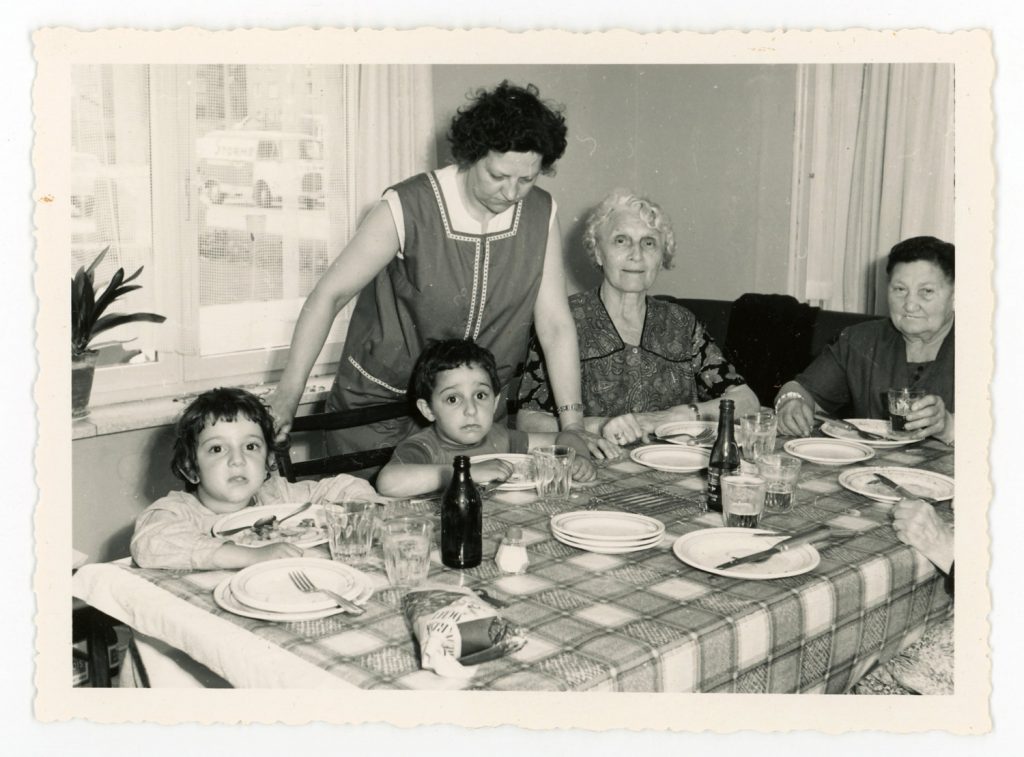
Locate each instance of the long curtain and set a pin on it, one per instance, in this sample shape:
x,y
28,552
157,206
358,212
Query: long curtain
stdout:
x,y
395,137
874,165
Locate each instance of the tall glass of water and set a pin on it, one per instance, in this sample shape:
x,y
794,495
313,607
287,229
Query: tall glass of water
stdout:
x,y
407,543
757,437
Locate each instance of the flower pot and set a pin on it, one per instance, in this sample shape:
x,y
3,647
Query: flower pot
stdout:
x,y
83,368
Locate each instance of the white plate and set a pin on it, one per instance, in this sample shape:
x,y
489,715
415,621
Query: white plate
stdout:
x,y
266,585
514,484
871,425
828,451
709,547
685,427
603,548
602,525
226,600
671,457
249,515
860,480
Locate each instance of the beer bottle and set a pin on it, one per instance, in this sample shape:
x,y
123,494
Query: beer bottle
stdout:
x,y
461,519
725,455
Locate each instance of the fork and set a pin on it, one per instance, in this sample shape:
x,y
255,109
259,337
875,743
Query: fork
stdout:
x,y
703,437
303,584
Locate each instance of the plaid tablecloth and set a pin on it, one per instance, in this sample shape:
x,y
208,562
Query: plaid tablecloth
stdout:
x,y
635,622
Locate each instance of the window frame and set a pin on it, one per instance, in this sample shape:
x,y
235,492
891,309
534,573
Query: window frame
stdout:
x,y
180,369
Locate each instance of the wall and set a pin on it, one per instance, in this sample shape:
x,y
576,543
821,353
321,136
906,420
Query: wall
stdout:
x,y
712,144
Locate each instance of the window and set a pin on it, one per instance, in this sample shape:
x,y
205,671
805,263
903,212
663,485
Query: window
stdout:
x,y
232,186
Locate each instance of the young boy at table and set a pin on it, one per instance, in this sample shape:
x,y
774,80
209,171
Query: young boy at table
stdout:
x,y
455,385
223,453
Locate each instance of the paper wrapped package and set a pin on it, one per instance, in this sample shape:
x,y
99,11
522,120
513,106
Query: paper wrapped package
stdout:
x,y
458,629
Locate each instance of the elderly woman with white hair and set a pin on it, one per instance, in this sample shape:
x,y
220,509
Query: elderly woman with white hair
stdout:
x,y
644,361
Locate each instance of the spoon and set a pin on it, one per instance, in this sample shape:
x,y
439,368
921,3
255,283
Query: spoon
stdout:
x,y
265,521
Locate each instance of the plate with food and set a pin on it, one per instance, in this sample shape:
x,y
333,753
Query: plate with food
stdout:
x,y
923,483
523,477
307,529
828,451
684,432
841,430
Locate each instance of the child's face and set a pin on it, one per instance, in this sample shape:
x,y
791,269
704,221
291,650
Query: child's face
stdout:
x,y
461,405
232,460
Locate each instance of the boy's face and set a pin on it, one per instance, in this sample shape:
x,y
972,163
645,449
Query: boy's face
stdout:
x,y
232,460
461,405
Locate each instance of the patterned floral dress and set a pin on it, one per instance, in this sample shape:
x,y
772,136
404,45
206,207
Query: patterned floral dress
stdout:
x,y
676,362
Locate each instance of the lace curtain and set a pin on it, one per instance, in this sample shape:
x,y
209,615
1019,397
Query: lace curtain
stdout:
x,y
873,165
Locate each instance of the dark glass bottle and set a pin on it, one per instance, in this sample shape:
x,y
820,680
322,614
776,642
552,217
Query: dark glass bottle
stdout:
x,y
725,455
461,520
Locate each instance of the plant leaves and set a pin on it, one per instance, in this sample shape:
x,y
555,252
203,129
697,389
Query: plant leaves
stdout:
x,y
91,272
112,320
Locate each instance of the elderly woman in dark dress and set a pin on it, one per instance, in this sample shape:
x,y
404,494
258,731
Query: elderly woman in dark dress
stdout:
x,y
644,361
914,348
470,251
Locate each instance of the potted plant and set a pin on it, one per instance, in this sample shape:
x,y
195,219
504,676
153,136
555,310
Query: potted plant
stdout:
x,y
88,319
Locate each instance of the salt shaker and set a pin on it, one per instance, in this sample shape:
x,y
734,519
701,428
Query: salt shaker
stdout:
x,y
511,556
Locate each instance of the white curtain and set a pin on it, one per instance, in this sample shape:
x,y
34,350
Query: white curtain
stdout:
x,y
395,138
873,165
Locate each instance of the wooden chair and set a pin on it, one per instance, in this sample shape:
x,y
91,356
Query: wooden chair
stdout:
x,y
331,465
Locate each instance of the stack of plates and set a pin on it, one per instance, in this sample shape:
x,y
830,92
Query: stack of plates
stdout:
x,y
605,532
266,592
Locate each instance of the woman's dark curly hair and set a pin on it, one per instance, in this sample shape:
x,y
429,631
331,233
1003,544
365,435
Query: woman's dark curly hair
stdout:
x,y
222,404
508,119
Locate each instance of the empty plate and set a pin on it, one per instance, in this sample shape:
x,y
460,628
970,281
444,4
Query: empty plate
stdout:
x,y
709,547
828,451
671,457
914,480
226,600
267,585
603,525
607,548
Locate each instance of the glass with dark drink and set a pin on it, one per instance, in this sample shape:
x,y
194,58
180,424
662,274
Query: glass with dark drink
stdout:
x,y
900,402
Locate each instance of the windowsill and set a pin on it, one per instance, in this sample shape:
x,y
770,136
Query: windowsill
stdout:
x,y
164,411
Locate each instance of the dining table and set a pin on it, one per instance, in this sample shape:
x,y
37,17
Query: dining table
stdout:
x,y
640,621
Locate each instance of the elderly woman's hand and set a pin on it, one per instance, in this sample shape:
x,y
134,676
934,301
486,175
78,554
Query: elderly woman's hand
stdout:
x,y
595,444
795,417
928,417
916,524
623,429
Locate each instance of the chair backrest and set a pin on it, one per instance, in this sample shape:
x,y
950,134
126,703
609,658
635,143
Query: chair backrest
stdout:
x,y
332,465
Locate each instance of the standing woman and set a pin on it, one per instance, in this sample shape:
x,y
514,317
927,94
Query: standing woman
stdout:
x,y
470,251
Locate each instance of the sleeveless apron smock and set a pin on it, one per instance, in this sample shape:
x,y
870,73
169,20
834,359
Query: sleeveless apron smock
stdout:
x,y
444,284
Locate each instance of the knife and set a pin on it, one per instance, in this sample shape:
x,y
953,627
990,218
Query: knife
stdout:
x,y
904,492
793,541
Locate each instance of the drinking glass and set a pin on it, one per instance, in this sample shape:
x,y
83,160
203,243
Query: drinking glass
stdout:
x,y
407,543
757,437
900,401
350,527
742,500
780,473
554,470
